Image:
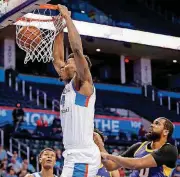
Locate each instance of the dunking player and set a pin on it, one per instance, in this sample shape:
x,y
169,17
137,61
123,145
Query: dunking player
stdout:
x,y
102,172
82,156
147,159
47,160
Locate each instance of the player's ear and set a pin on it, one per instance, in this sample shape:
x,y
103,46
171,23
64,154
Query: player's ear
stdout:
x,y
40,160
166,132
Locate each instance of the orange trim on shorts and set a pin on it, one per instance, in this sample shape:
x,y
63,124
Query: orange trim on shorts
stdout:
x,y
86,172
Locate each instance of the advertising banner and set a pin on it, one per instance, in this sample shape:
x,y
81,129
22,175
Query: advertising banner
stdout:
x,y
111,124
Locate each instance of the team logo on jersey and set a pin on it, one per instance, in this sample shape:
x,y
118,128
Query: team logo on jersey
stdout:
x,y
63,100
66,90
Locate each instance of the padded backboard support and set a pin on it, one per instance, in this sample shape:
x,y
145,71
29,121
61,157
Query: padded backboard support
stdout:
x,y
15,10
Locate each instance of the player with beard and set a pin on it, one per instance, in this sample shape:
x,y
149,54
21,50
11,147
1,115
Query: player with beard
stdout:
x,y
147,159
47,160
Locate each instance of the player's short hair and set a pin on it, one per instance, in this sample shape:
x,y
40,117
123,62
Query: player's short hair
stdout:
x,y
46,149
168,125
85,56
100,134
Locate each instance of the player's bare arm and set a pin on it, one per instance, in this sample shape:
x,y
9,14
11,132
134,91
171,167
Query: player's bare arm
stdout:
x,y
109,164
58,52
29,175
76,45
130,163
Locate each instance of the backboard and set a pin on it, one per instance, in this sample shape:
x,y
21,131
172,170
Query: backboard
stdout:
x,y
10,10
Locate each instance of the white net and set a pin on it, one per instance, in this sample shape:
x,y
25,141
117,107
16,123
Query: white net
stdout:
x,y
36,32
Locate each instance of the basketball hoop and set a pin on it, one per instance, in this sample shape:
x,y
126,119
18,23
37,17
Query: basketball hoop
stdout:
x,y
36,32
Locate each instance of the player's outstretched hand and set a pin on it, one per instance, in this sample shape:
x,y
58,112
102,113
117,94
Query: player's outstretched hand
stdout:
x,y
104,156
64,11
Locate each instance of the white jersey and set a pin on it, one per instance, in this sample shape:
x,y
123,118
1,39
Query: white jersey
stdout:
x,y
77,118
37,174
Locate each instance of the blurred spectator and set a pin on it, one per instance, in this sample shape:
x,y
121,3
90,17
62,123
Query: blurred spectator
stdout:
x,y
59,159
23,173
11,172
3,153
15,155
142,132
56,128
41,129
176,170
115,152
27,166
15,165
41,122
178,160
18,116
2,169
15,128
122,172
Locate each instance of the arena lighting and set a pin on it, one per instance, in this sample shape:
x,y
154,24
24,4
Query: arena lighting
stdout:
x,y
174,61
98,50
126,60
82,11
127,35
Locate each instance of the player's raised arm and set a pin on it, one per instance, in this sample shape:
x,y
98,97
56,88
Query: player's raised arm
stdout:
x,y
76,46
58,52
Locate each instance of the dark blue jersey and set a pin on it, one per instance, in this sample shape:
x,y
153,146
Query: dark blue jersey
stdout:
x,y
102,172
165,158
147,172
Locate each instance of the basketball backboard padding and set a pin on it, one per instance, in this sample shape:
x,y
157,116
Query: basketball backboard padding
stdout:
x,y
11,16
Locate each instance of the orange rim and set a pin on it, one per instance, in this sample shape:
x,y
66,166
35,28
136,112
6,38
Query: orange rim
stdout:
x,y
49,6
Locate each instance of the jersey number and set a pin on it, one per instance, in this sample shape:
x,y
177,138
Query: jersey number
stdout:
x,y
144,172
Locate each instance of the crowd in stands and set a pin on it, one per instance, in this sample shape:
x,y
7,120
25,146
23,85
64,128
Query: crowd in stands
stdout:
x,y
11,165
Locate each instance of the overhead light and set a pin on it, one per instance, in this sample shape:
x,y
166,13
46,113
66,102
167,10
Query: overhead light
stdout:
x,y
82,11
126,60
98,50
174,61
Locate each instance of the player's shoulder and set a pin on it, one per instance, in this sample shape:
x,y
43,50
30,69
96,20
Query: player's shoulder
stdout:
x,y
169,147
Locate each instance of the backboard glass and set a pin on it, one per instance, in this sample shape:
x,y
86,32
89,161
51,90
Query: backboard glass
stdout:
x,y
10,10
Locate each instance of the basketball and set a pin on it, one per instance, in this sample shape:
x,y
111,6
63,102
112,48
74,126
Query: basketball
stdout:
x,y
29,37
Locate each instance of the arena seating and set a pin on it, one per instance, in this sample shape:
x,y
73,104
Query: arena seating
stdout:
x,y
134,13
37,145
54,92
145,107
10,97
